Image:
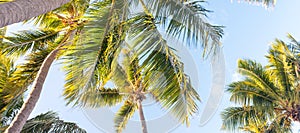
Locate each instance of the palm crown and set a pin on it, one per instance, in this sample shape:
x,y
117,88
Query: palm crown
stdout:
x,y
269,95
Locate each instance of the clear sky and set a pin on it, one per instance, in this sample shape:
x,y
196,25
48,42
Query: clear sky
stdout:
x,y
249,31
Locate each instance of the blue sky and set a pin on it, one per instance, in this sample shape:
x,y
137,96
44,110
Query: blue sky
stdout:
x,y
249,31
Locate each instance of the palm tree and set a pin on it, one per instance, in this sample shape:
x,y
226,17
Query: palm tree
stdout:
x,y
89,65
135,81
11,95
21,10
45,45
94,39
269,95
11,103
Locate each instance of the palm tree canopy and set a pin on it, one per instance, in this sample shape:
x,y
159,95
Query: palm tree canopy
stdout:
x,y
111,27
268,95
12,99
100,39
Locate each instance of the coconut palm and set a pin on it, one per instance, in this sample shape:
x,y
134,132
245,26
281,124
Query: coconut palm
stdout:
x,y
89,65
269,95
57,31
94,52
11,103
135,81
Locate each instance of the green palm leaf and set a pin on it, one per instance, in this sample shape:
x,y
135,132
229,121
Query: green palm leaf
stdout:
x,y
189,23
280,124
123,115
102,97
294,46
281,66
27,40
48,123
257,73
9,109
246,93
26,72
172,88
236,117
97,46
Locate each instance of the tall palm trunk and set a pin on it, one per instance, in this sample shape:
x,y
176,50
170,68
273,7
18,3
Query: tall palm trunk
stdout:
x,y
28,106
19,121
142,117
20,10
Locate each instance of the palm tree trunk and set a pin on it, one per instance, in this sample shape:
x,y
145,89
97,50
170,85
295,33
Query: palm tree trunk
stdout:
x,y
20,10
28,106
142,117
19,121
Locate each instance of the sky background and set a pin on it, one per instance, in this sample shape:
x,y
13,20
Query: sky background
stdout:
x,y
249,31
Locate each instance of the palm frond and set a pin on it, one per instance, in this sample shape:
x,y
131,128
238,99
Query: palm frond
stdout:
x,y
26,72
132,70
255,127
280,64
9,103
27,40
90,59
9,109
119,78
294,43
101,97
280,124
50,122
123,115
257,73
6,69
236,117
248,92
163,69
186,21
